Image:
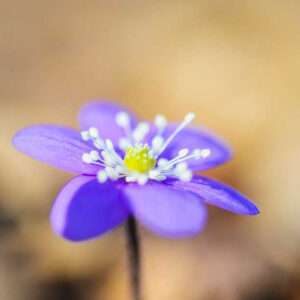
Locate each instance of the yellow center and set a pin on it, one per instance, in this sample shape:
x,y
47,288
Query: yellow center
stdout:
x,y
138,159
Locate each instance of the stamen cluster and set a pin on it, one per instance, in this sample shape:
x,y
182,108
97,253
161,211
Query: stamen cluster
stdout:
x,y
136,161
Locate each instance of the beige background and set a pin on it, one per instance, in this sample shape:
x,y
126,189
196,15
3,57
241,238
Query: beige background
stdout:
x,y
235,63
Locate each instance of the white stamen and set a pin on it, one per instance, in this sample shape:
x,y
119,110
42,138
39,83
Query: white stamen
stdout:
x,y
124,143
180,157
86,158
157,143
138,136
112,173
153,174
160,122
106,156
161,177
197,153
121,169
180,168
144,127
162,162
201,153
183,152
186,176
205,153
99,144
189,117
102,176
114,155
131,178
85,135
93,132
142,179
140,131
94,155
187,120
123,119
109,144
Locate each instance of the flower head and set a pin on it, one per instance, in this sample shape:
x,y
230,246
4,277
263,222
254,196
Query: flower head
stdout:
x,y
134,168
141,158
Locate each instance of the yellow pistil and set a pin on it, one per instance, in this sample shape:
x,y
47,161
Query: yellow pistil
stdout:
x,y
138,159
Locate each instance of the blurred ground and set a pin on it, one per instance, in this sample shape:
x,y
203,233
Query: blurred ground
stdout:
x,y
235,63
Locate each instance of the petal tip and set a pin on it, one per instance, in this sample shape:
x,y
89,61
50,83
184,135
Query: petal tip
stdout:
x,y
228,152
20,140
254,210
247,208
16,138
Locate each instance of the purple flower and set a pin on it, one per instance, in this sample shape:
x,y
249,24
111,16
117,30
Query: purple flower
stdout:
x,y
134,168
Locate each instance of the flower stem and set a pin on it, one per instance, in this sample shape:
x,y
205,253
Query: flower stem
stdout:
x,y
133,246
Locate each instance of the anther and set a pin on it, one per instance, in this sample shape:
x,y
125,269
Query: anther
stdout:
x,y
142,179
160,122
162,163
181,167
183,152
186,176
102,176
201,153
140,131
187,119
93,132
94,155
205,153
157,143
85,135
122,119
112,173
109,144
108,158
99,144
86,158
124,143
153,174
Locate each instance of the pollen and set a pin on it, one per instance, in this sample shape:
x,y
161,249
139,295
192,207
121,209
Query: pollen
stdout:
x,y
139,159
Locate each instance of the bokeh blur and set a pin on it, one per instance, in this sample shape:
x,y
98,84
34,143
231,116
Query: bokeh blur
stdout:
x,y
235,63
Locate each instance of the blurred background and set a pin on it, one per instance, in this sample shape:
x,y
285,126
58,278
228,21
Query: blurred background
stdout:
x,y
235,63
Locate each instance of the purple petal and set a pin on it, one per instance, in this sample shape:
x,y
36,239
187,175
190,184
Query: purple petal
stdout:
x,y
85,209
197,138
102,115
58,146
218,194
165,210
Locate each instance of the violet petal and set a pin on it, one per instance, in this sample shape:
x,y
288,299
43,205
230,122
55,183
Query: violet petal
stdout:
x,y
196,138
58,146
102,115
218,194
85,209
165,210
